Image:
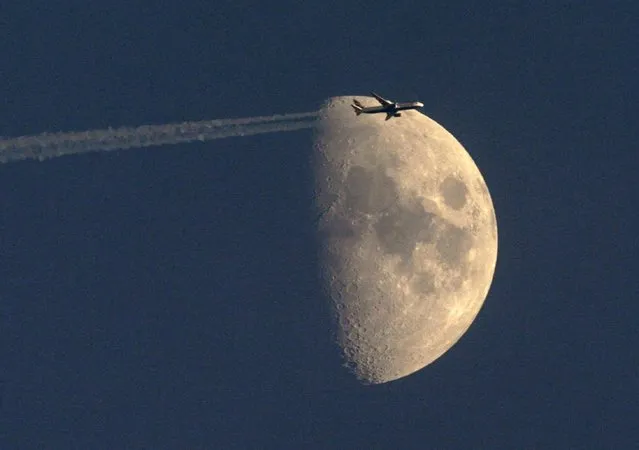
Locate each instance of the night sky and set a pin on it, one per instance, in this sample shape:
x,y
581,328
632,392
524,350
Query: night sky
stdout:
x,y
167,297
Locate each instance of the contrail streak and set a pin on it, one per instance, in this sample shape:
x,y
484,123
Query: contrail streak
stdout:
x,y
51,145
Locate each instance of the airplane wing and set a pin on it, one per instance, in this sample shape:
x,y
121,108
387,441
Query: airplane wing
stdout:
x,y
389,115
381,99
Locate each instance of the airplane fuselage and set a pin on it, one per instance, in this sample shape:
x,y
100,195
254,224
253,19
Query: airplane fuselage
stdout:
x,y
392,108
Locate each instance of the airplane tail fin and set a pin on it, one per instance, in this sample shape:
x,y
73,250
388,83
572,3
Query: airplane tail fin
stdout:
x,y
357,106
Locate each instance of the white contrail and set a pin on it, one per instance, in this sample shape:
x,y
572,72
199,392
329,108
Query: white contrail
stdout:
x,y
50,145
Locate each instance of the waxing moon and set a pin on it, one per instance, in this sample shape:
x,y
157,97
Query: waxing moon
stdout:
x,y
408,237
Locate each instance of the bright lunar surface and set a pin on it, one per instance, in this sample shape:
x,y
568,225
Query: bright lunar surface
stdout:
x,y
408,237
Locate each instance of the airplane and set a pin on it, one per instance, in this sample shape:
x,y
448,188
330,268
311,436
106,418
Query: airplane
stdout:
x,y
390,108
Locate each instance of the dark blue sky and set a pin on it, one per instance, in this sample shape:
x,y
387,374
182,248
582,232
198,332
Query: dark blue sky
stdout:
x,y
166,297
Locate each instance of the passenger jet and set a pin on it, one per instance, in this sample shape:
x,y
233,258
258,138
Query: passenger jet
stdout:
x,y
390,108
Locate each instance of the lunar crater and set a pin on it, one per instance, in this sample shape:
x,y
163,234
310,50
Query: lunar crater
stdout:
x,y
454,192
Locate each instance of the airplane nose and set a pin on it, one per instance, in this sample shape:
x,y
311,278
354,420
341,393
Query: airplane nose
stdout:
x,y
420,104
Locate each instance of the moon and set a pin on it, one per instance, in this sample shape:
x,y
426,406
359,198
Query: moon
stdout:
x,y
407,237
